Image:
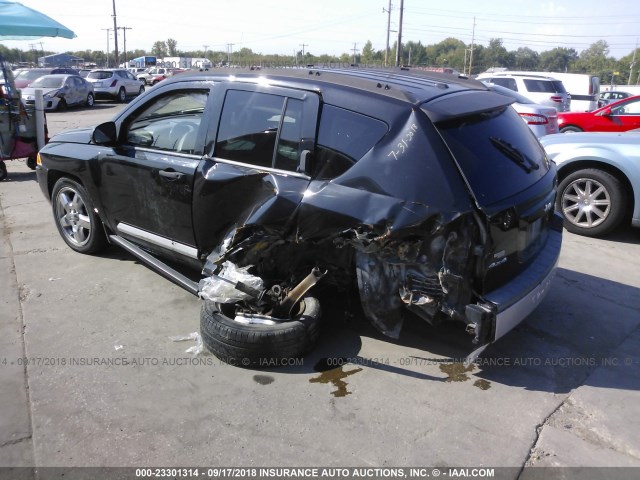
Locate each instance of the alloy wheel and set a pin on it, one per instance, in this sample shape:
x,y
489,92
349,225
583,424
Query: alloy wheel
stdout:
x,y
72,215
586,203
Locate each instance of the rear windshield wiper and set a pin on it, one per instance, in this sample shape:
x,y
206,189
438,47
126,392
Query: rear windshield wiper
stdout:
x,y
514,154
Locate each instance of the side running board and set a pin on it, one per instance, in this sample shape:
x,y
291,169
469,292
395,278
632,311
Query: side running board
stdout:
x,y
162,268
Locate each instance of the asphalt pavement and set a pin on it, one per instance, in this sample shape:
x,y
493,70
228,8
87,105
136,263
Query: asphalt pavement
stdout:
x,y
91,376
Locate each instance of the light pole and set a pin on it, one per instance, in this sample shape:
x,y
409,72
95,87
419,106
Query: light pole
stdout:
x,y
108,30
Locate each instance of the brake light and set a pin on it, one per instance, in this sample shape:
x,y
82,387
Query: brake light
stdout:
x,y
556,99
533,119
114,83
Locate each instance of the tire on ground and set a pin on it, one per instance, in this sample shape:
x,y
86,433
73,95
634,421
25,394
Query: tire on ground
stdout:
x,y
258,345
617,195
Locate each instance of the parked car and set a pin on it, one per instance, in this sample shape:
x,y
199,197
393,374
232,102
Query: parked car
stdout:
x,y
168,73
424,192
611,96
618,116
542,90
117,84
148,76
24,77
599,175
60,91
540,119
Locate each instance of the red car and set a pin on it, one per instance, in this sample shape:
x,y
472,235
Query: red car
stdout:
x,y
619,116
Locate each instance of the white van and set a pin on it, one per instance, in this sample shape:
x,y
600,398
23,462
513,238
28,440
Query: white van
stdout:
x,y
583,88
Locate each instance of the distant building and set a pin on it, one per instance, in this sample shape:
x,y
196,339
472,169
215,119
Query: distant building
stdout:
x,y
60,60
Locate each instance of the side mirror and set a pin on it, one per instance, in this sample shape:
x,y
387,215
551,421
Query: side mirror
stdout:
x,y
105,134
605,113
305,162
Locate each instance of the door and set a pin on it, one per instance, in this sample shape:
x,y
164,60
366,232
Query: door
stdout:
x,y
255,177
146,181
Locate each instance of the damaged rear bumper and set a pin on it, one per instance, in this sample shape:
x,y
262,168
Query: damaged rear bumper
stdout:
x,y
509,305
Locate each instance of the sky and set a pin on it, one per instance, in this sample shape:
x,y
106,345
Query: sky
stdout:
x,y
338,26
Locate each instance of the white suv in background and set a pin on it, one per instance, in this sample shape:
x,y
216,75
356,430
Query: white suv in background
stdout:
x,y
538,88
115,83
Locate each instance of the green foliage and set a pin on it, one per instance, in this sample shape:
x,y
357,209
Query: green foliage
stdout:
x,y
172,47
450,52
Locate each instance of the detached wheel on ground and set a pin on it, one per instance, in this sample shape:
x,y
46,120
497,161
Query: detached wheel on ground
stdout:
x,y
259,344
591,201
78,224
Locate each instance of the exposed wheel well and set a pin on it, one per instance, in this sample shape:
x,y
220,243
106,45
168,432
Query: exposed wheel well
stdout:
x,y
55,175
564,171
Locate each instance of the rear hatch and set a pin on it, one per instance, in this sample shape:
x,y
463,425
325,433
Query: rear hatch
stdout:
x,y
508,174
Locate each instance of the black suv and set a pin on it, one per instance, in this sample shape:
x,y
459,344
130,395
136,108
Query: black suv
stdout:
x,y
426,191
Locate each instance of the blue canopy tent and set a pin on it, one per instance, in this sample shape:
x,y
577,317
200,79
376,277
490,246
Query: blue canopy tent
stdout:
x,y
18,22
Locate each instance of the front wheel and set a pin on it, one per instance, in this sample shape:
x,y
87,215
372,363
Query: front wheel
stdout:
x,y
591,201
78,224
570,129
261,340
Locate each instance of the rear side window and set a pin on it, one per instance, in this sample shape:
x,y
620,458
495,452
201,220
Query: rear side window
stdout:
x,y
544,86
261,129
343,138
509,83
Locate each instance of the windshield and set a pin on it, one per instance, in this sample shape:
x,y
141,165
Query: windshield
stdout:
x,y
31,74
48,82
100,75
492,145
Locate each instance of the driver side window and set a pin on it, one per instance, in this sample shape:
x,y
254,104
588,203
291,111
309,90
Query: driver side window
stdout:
x,y
170,122
628,108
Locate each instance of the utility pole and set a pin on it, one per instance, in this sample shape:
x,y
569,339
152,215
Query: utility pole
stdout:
x,y
303,45
388,11
205,50
399,48
124,31
115,33
633,62
108,30
473,38
354,50
229,51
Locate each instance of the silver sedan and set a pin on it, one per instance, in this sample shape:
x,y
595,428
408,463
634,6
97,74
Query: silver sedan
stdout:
x,y
60,91
599,179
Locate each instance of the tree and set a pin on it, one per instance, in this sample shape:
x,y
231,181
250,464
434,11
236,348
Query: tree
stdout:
x,y
526,59
159,49
557,59
172,46
498,56
367,53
